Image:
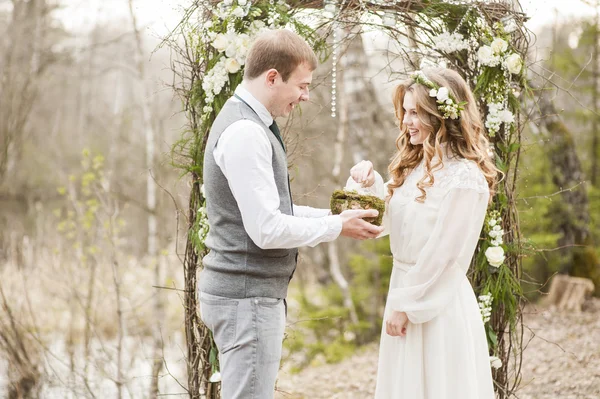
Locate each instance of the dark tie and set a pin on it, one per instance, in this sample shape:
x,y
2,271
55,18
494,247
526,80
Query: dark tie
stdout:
x,y
275,129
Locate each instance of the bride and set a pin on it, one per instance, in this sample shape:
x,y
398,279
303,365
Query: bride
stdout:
x,y
433,343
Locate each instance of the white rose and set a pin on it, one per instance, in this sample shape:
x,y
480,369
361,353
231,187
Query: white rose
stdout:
x,y
492,222
232,65
494,107
202,190
499,46
228,2
442,94
513,63
216,377
432,93
486,56
495,362
257,25
241,2
231,50
220,42
495,256
239,12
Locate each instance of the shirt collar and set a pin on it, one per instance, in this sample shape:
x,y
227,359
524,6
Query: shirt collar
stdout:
x,y
256,105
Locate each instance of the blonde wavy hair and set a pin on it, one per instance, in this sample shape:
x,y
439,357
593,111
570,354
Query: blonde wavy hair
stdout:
x,y
463,137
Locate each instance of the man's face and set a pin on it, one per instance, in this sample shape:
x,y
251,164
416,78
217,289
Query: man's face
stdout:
x,y
286,95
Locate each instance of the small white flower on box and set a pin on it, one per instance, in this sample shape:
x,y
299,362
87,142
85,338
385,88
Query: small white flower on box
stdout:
x,y
495,256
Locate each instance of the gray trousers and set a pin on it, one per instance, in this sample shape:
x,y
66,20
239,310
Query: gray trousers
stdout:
x,y
249,334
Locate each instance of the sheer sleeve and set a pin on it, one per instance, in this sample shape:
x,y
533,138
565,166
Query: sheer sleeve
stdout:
x,y
379,189
442,264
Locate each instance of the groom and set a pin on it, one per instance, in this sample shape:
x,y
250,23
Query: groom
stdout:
x,y
255,229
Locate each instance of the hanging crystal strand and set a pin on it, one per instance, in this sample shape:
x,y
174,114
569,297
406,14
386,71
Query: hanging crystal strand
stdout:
x,y
334,59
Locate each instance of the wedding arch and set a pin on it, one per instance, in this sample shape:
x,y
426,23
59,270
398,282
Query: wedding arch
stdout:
x,y
485,41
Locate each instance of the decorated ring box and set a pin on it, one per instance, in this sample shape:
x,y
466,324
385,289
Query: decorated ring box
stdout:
x,y
354,197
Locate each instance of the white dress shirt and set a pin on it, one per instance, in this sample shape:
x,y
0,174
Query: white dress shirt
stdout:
x,y
244,155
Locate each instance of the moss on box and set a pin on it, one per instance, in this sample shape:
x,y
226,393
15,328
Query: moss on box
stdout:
x,y
343,200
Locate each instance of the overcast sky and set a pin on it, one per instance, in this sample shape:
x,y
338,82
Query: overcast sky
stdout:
x,y
162,15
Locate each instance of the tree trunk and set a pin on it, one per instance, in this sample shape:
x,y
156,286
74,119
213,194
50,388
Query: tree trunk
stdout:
x,y
572,215
150,202
594,149
342,132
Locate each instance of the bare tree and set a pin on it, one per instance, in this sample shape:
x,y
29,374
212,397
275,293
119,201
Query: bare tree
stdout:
x,y
150,197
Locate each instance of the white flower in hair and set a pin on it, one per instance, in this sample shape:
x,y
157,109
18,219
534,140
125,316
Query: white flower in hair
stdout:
x,y
442,94
447,104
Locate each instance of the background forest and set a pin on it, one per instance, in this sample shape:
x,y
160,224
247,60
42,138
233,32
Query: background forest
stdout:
x,y
92,220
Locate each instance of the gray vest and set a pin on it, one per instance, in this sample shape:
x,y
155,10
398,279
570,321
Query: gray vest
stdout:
x,y
235,267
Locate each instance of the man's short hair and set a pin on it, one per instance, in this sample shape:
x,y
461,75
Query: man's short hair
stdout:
x,y
282,50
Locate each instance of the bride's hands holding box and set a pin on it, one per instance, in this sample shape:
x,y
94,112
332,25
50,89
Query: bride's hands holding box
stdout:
x,y
363,173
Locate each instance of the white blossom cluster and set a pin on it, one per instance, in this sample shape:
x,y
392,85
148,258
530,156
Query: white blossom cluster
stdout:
x,y
213,83
450,42
495,254
228,8
497,115
232,46
497,54
485,307
202,224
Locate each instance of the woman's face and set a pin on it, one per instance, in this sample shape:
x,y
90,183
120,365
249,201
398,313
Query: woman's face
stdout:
x,y
417,131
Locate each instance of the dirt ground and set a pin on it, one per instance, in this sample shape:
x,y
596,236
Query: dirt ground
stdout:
x,y
561,361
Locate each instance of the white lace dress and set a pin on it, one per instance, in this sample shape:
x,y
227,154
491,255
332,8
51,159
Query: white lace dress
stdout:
x,y
444,354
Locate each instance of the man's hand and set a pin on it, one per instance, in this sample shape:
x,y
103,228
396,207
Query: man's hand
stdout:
x,y
363,173
395,325
353,226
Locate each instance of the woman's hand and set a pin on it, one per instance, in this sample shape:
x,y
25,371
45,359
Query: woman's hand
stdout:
x,y
395,325
363,173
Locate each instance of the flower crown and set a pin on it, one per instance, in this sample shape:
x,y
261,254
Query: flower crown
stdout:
x,y
447,105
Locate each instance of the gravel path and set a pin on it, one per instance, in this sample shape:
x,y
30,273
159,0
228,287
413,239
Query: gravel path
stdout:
x,y
562,361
